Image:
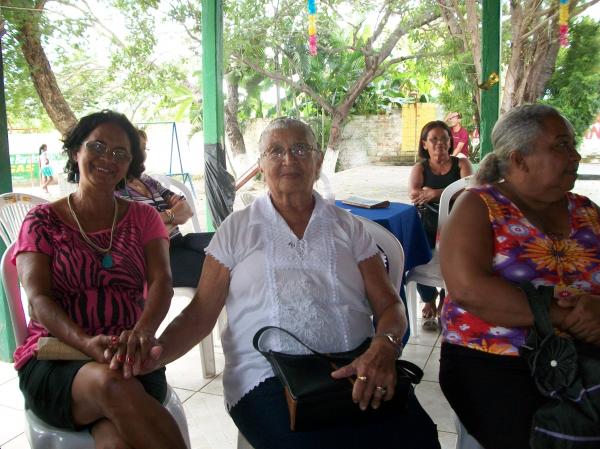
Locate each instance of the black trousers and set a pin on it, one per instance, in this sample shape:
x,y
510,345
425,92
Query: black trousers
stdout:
x,y
262,417
493,395
187,257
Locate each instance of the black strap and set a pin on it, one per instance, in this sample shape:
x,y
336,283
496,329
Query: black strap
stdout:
x,y
404,368
255,341
539,301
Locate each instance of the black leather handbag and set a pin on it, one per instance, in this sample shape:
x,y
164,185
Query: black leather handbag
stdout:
x,y
314,398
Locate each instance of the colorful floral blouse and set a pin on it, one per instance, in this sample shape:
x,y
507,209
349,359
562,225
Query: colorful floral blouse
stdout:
x,y
524,253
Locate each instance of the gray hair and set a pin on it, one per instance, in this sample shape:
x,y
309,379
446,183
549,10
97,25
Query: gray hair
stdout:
x,y
287,123
515,131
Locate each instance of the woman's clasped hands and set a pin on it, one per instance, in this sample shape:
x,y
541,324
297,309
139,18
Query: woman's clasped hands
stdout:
x,y
423,195
134,352
375,372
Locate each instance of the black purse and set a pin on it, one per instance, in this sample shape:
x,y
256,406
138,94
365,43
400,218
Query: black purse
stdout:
x,y
567,372
314,398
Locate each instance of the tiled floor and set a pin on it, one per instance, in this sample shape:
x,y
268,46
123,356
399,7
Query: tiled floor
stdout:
x,y
209,424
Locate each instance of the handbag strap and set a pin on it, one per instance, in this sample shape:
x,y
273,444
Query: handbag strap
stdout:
x,y
262,330
404,368
539,301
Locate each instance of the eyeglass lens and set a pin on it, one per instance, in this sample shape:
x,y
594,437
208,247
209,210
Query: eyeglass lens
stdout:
x,y
100,148
298,150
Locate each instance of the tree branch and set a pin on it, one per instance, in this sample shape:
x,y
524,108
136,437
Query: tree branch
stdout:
x,y
387,12
401,30
88,11
391,62
301,87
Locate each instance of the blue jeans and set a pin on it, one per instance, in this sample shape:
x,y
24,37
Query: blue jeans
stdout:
x,y
262,417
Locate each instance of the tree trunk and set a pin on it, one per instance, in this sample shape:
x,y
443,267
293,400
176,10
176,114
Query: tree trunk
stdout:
x,y
335,135
534,50
232,126
43,78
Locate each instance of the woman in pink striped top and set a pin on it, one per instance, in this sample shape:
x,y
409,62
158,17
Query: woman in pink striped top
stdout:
x,y
96,272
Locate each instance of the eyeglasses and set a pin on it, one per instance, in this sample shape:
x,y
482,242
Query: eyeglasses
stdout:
x,y
99,149
435,140
298,150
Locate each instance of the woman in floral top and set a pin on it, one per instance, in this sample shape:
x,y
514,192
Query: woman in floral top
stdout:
x,y
520,224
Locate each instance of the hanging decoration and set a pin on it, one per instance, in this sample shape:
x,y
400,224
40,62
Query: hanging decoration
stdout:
x,y
312,27
563,23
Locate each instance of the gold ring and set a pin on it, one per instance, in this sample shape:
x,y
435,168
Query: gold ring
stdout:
x,y
361,378
381,390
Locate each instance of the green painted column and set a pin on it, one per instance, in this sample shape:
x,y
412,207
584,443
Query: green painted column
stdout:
x,y
7,340
490,62
219,183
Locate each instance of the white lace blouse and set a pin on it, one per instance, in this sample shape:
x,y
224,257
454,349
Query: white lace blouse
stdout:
x,y
310,286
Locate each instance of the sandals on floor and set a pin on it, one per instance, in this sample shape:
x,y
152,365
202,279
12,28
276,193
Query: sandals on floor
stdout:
x,y
430,315
430,324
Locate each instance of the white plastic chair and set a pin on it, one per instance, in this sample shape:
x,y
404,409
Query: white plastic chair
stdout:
x,y
391,247
13,208
178,186
207,349
39,434
430,273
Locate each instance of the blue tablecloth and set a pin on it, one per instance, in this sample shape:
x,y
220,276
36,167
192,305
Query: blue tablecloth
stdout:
x,y
403,221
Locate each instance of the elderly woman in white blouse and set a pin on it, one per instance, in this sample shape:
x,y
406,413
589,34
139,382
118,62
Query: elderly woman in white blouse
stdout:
x,y
293,260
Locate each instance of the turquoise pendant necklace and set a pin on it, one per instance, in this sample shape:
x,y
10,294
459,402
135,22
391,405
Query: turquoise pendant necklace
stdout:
x,y
107,260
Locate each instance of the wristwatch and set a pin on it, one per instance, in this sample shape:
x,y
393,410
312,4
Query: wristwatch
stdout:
x,y
395,340
170,216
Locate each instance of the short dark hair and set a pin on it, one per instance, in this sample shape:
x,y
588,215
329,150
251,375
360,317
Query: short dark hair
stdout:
x,y
74,138
423,153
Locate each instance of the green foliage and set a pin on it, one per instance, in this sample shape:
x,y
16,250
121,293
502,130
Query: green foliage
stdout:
x,y
574,88
94,67
459,82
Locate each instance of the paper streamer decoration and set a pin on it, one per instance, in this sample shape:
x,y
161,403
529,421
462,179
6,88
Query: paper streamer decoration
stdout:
x,y
312,27
563,23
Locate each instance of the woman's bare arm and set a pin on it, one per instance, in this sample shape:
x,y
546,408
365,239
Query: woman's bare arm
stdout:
x,y
35,275
199,317
466,254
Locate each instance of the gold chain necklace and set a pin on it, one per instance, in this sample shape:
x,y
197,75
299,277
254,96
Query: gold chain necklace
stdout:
x,y
107,260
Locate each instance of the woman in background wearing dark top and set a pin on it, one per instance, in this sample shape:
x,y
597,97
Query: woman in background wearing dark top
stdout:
x,y
185,251
428,178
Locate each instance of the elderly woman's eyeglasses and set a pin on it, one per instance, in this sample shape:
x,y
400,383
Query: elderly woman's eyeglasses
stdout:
x,y
98,148
298,150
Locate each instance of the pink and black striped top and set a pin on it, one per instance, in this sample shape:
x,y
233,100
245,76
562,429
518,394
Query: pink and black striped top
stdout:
x,y
100,300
